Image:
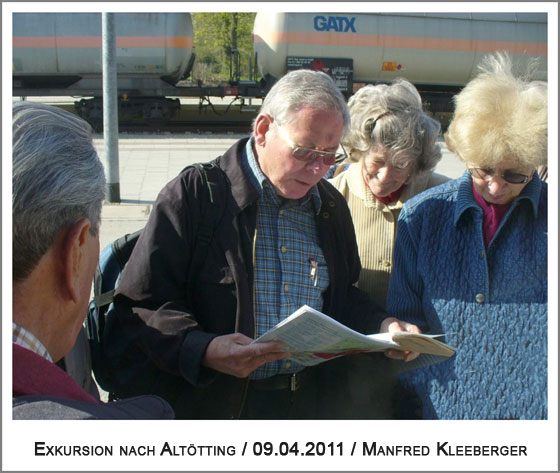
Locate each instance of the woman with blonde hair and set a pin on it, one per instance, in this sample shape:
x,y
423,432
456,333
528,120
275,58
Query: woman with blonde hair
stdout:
x,y
471,257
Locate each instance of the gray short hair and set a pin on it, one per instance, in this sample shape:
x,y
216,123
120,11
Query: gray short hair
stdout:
x,y
501,116
300,89
392,116
57,179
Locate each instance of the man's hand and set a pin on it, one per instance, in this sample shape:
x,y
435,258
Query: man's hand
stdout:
x,y
392,324
235,355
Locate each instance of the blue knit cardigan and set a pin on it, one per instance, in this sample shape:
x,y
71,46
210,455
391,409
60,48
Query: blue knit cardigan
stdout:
x,y
490,303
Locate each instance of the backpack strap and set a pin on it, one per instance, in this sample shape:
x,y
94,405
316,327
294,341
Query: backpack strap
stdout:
x,y
215,180
104,298
121,249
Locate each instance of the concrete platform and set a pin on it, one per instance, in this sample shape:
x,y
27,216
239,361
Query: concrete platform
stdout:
x,y
146,164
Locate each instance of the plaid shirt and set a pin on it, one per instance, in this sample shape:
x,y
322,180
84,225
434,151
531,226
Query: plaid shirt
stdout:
x,y
27,340
290,269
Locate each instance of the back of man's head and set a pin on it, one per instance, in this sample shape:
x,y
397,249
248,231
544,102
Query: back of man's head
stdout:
x,y
300,89
57,179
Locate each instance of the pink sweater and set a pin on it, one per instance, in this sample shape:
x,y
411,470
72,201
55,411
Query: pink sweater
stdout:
x,y
493,215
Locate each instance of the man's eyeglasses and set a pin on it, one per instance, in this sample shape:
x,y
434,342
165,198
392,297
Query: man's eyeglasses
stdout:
x,y
309,154
508,176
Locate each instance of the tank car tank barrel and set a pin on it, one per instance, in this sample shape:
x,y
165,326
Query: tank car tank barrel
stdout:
x,y
110,109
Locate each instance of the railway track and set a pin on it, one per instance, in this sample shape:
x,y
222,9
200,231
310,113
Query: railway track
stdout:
x,y
220,117
192,117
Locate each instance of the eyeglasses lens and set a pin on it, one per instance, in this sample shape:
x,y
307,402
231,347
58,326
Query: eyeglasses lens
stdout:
x,y
303,154
508,176
515,178
308,155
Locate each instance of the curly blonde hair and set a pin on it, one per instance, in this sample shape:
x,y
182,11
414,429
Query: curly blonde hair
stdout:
x,y
500,118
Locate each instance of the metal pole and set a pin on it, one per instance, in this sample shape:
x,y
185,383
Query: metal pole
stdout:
x,y
110,108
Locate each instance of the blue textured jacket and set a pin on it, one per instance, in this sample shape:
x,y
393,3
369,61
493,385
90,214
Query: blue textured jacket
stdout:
x,y
491,304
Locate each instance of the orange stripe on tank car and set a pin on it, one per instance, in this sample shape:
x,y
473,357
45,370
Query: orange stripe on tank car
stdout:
x,y
33,42
83,42
401,42
96,42
154,42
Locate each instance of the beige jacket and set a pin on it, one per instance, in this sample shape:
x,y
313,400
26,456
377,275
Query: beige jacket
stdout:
x,y
376,225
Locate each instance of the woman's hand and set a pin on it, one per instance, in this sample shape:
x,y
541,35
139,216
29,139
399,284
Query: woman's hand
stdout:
x,y
392,324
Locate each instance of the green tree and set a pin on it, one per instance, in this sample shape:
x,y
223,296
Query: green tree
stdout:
x,y
223,46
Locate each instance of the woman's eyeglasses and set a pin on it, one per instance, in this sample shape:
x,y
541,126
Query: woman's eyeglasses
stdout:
x,y
508,176
309,154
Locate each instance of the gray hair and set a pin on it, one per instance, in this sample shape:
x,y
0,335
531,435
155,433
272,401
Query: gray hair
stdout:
x,y
300,89
501,116
57,179
392,116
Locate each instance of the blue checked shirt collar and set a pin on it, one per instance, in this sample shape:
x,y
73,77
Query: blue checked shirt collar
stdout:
x,y
27,340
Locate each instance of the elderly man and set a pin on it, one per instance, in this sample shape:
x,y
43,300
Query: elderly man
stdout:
x,y
285,239
58,189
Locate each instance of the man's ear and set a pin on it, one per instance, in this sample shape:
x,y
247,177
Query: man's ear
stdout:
x,y
73,252
262,125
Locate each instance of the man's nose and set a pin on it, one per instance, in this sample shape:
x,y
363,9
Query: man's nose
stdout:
x,y
316,165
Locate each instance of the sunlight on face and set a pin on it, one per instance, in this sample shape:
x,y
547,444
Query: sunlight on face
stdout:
x,y
386,172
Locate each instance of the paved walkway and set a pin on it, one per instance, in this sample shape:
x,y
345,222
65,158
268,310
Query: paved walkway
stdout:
x,y
146,164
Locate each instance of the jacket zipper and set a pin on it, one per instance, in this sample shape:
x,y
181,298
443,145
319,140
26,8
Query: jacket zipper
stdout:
x,y
246,388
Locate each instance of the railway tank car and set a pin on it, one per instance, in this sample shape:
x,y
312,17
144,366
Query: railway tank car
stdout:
x,y
438,52
61,54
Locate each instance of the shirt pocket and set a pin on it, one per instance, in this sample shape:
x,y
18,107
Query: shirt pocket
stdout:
x,y
321,280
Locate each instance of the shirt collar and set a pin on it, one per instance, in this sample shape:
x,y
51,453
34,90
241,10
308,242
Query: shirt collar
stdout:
x,y
27,340
259,180
251,167
466,200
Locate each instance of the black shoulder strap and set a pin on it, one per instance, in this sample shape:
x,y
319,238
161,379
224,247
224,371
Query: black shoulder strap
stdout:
x,y
216,182
123,247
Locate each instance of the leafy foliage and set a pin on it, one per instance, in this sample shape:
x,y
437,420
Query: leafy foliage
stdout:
x,y
218,38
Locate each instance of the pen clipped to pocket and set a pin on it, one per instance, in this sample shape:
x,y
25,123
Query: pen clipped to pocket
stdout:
x,y
313,271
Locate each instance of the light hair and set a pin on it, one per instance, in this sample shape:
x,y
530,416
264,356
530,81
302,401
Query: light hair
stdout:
x,y
301,89
392,116
57,179
500,118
